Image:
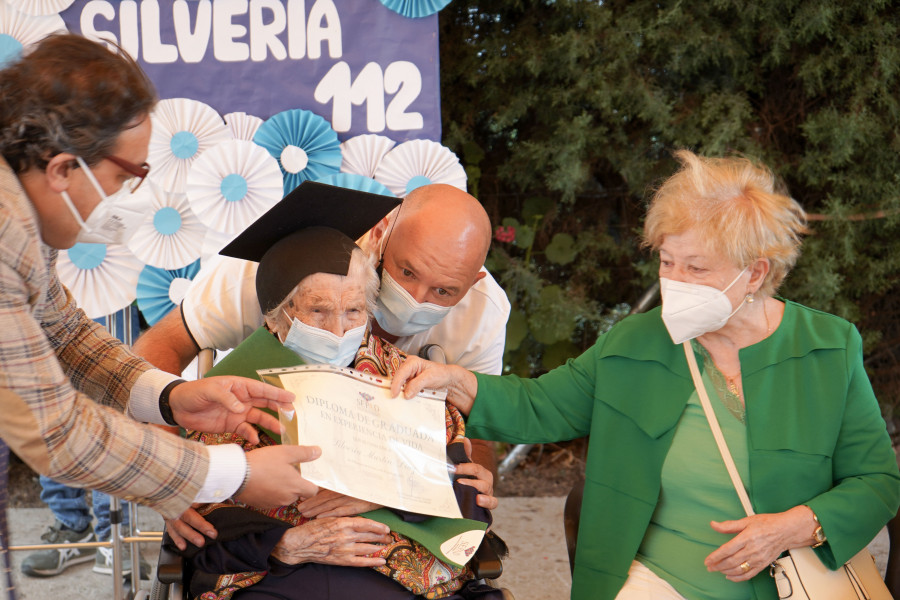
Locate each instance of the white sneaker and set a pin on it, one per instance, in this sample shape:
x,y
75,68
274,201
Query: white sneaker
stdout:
x,y
103,562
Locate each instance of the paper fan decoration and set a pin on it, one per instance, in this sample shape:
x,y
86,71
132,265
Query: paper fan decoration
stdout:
x,y
161,290
19,30
304,143
172,236
103,279
242,125
40,7
351,181
215,241
183,129
416,163
232,184
362,154
415,8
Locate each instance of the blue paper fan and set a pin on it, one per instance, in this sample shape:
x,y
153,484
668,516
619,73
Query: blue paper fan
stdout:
x,y
19,30
304,143
415,8
161,290
352,181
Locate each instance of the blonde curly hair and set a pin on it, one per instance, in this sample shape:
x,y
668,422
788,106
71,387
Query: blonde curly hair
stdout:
x,y
737,206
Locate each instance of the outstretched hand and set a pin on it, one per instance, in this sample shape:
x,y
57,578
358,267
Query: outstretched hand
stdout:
x,y
275,476
416,374
228,404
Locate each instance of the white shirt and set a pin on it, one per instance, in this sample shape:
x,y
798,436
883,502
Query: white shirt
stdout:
x,y
221,309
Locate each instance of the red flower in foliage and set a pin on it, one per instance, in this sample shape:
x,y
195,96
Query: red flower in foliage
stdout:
x,y
505,234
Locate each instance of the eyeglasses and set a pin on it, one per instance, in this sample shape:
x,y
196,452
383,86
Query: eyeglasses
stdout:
x,y
138,172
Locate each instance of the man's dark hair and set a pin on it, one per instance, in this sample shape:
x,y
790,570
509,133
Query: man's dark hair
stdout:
x,y
69,94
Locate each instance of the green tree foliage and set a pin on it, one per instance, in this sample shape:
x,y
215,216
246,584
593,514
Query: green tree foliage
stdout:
x,y
566,112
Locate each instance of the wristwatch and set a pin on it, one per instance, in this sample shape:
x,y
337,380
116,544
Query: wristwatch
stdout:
x,y
818,533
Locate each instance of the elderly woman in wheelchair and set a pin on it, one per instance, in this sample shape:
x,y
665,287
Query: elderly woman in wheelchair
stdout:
x,y
317,290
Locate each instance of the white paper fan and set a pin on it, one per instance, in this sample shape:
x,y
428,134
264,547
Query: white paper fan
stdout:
x,y
103,279
242,125
183,129
232,184
19,30
362,154
416,163
215,241
172,235
40,7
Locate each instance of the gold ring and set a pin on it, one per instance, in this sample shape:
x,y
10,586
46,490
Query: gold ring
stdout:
x,y
745,566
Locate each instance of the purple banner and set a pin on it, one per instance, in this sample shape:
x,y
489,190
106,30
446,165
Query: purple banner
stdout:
x,y
359,65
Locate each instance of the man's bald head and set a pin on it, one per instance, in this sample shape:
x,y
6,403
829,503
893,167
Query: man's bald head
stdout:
x,y
456,216
441,236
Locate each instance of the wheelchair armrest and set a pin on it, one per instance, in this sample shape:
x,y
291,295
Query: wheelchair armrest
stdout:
x,y
171,566
486,562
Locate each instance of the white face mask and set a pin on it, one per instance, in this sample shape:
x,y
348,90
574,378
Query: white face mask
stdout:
x,y
399,314
689,309
111,222
319,347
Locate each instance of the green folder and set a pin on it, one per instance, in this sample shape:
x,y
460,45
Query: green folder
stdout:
x,y
452,540
261,350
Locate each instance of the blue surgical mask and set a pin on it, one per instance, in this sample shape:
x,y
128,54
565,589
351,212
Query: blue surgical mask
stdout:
x,y
399,314
320,347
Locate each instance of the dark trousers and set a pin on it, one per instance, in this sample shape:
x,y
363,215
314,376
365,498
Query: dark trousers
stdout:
x,y
328,582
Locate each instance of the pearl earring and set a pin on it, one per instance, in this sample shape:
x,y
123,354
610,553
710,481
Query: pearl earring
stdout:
x,y
749,298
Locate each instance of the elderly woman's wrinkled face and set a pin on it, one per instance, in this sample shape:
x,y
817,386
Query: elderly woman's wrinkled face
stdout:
x,y
684,257
331,302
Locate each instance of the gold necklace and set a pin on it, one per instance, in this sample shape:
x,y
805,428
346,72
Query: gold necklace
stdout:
x,y
731,381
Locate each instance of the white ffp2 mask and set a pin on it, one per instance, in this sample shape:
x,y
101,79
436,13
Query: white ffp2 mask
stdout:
x,y
689,309
111,222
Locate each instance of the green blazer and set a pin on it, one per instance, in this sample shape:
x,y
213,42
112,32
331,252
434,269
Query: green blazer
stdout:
x,y
815,434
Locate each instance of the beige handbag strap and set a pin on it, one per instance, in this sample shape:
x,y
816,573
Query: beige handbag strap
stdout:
x,y
716,430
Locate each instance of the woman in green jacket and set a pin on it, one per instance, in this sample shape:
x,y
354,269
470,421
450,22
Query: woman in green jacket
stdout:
x,y
660,517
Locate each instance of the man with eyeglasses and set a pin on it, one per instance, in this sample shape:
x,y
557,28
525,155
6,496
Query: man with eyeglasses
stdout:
x,y
74,129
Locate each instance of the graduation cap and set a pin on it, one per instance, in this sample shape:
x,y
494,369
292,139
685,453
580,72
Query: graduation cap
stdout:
x,y
311,230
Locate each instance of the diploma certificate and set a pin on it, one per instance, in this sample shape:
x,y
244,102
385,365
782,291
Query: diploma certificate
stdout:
x,y
391,451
